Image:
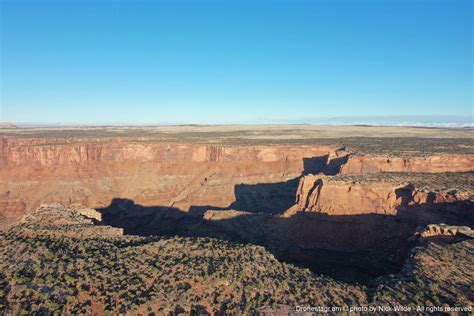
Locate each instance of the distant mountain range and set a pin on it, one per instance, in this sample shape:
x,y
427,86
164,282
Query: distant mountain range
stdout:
x,y
7,126
413,121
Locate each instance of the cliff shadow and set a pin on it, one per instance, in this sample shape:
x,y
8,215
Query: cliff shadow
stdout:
x,y
323,165
141,220
333,167
275,198
272,198
350,248
314,165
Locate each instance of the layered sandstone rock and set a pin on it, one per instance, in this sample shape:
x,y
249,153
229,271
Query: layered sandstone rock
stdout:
x,y
92,172
437,163
380,194
321,194
65,151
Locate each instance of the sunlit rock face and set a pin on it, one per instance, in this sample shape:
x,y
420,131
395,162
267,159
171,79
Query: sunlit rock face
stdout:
x,y
383,193
92,172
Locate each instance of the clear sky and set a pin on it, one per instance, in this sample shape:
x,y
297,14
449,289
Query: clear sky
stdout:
x,y
234,61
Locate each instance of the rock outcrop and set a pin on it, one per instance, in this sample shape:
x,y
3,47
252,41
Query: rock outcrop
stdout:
x,y
380,194
447,230
213,215
72,222
91,214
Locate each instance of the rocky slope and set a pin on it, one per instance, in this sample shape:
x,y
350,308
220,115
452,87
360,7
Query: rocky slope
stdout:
x,y
58,261
435,279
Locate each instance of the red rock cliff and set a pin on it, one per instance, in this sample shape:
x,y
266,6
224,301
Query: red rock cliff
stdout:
x,y
336,196
91,172
438,163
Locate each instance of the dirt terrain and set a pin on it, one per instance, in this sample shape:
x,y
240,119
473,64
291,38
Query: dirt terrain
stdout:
x,y
345,202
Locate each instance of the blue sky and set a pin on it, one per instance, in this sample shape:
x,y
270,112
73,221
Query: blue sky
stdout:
x,y
234,61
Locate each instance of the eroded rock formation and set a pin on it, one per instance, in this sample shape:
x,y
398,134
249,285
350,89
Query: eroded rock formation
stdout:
x,y
446,230
379,194
91,214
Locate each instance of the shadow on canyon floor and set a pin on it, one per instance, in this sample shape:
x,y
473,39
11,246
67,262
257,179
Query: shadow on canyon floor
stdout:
x,y
351,248
272,198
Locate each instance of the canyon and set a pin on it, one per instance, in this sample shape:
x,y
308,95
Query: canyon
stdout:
x,y
349,209
302,202
93,171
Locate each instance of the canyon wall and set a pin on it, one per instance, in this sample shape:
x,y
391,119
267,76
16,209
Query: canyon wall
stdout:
x,y
92,172
437,163
65,151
